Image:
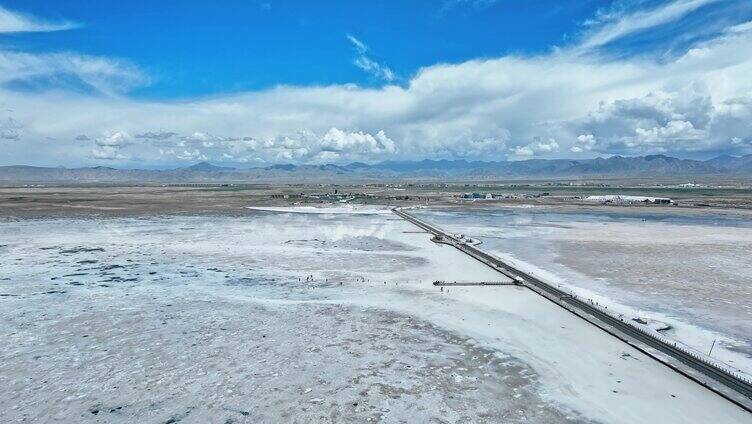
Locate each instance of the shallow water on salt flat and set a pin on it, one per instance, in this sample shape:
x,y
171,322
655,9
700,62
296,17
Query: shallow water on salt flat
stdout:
x,y
692,272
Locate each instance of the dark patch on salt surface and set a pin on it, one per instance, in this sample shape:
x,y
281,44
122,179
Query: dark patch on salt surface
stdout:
x,y
80,249
626,355
114,279
358,243
304,242
251,282
746,350
52,292
176,418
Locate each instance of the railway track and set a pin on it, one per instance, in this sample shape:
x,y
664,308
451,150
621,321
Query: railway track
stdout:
x,y
733,386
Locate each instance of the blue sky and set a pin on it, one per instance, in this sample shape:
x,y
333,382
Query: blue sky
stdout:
x,y
197,48
159,84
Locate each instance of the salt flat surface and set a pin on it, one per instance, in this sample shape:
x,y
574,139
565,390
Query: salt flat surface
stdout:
x,y
326,209
691,277
279,316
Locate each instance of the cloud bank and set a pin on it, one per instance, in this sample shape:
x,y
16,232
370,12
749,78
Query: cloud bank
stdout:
x,y
576,101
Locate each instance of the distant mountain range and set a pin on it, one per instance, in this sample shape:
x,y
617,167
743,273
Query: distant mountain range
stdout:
x,y
207,167
426,170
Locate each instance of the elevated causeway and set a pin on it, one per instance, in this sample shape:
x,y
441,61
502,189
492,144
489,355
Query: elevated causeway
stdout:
x,y
706,371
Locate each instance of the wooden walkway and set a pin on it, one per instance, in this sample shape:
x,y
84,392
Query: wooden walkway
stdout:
x,y
476,283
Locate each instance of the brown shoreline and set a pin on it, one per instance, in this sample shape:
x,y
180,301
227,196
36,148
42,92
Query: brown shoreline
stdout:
x,y
133,201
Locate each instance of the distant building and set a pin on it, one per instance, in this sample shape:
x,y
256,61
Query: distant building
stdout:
x,y
618,198
477,196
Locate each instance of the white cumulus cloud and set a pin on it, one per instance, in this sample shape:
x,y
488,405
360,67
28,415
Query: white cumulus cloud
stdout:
x,y
114,139
537,147
585,142
357,142
548,105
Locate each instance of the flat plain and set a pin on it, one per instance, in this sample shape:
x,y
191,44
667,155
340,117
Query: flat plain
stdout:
x,y
199,309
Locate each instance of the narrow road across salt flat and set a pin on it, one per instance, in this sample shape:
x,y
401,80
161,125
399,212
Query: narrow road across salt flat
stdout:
x,y
712,374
